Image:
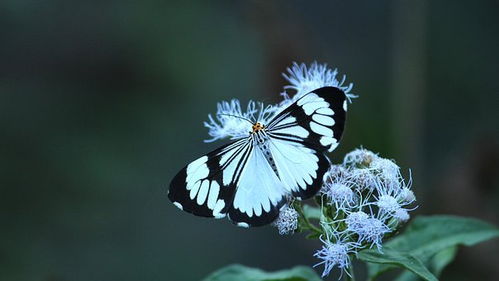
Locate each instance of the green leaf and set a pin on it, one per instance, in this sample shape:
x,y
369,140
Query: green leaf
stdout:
x,y
443,259
437,264
401,259
426,236
243,273
311,212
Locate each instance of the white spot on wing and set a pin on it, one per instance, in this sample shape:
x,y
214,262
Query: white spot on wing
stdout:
x,y
178,205
325,111
266,206
294,131
218,208
213,195
287,120
243,224
333,146
194,189
327,141
323,120
307,98
203,192
321,130
196,171
311,107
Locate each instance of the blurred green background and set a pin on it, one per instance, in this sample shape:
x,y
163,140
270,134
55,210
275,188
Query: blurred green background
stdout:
x,y
102,102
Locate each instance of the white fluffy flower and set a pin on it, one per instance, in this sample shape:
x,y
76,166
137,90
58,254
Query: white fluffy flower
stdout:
x,y
303,80
388,171
335,252
356,220
406,196
401,215
363,178
369,229
393,199
388,203
336,173
287,221
372,231
339,194
359,157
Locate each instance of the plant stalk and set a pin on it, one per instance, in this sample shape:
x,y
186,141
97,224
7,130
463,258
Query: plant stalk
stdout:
x,y
350,272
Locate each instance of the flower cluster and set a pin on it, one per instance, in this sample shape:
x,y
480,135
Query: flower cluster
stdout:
x,y
231,121
363,199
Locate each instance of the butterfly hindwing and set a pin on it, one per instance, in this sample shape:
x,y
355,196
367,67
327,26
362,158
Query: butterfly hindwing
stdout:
x,y
300,168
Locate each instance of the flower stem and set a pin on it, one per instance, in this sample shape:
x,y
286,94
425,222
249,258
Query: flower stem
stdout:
x,y
308,224
350,272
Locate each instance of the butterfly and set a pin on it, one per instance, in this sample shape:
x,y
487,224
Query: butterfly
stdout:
x,y
252,177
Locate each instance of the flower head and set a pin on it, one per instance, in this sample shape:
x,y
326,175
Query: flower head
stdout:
x,y
406,195
372,231
388,171
336,173
304,80
388,203
356,220
332,254
287,221
339,194
359,157
335,252
401,215
363,178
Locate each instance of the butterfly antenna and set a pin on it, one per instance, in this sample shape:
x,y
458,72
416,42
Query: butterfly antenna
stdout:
x,y
240,117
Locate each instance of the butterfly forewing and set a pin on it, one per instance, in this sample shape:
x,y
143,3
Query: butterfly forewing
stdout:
x,y
249,180
300,135
317,119
201,189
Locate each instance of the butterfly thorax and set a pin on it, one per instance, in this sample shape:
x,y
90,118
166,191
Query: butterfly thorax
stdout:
x,y
261,140
257,127
258,134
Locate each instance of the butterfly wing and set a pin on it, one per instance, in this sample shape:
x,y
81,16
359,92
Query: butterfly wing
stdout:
x,y
316,120
238,179
205,187
301,134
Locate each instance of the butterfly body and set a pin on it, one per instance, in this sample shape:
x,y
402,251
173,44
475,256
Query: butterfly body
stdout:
x,y
251,178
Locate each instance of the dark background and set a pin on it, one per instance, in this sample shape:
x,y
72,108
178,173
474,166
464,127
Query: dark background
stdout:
x,y
102,102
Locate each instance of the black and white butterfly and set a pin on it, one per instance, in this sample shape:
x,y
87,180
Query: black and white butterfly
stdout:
x,y
252,177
